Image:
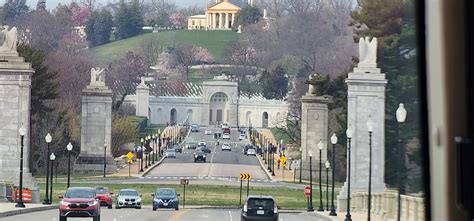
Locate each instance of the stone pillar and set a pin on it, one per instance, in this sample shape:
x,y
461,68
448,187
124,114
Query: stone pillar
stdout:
x,y
214,20
15,96
226,26
221,17
233,20
96,130
143,100
366,97
314,127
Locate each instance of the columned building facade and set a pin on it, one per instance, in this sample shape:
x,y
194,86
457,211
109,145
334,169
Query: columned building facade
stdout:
x,y
220,16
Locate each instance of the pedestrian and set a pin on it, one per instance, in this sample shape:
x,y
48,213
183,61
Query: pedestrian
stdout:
x,y
278,165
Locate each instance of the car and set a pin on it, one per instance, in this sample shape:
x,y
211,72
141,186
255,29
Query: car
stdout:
x,y
165,198
202,143
194,128
177,148
170,153
199,156
226,136
260,208
224,125
251,152
246,147
241,136
104,196
226,146
204,149
208,132
226,130
79,202
128,198
192,145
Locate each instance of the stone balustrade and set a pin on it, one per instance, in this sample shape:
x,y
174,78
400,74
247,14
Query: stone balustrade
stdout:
x,y
385,204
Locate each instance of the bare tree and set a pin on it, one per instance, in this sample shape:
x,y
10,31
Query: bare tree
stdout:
x,y
186,56
88,4
150,49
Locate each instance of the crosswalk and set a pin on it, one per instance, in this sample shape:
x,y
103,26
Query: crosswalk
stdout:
x,y
229,179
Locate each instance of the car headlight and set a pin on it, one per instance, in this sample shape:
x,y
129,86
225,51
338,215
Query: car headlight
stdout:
x,y
93,203
139,200
157,200
63,203
175,199
204,156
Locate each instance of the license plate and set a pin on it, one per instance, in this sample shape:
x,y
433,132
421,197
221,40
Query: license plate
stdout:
x,y
165,204
260,212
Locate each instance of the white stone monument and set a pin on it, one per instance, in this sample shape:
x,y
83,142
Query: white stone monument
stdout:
x,y
366,97
143,99
15,96
96,128
314,128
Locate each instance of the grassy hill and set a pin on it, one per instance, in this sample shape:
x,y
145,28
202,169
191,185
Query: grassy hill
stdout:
x,y
214,41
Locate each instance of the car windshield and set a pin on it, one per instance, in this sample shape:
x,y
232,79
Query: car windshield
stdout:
x,y
258,202
165,192
79,193
101,190
128,193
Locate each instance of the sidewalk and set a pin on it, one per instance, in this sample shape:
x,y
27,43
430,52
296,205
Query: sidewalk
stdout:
x,y
341,216
9,209
280,174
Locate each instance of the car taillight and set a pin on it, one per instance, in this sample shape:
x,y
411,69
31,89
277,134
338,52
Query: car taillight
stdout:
x,y
245,207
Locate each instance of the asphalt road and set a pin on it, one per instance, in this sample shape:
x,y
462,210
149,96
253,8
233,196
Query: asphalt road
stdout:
x,y
220,164
146,214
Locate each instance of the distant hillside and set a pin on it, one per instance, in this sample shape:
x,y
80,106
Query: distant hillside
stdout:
x,y
214,41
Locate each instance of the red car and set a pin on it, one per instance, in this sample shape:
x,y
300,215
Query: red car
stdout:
x,y
104,196
79,202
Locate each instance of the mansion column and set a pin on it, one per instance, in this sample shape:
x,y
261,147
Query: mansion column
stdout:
x,y
233,20
226,26
214,20
221,17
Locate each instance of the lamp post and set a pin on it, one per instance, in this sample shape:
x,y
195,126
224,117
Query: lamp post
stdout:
x,y
159,143
153,140
69,149
269,149
370,128
146,152
22,132
401,115
300,164
141,154
48,139
273,160
328,165
149,150
310,206
320,147
349,137
105,158
333,142
52,157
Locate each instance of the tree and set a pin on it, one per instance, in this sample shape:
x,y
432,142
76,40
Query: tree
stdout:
x,y
128,19
248,15
99,27
14,9
178,19
80,15
186,56
124,131
275,84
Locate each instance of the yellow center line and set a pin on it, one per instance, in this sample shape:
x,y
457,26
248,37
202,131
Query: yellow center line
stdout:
x,y
178,215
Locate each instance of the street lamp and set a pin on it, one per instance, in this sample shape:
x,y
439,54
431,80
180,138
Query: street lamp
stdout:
x,y
22,132
148,148
328,165
52,157
48,139
334,142
401,115
273,159
141,154
269,149
320,147
105,158
349,137
310,206
146,152
159,142
370,128
300,164
154,148
69,149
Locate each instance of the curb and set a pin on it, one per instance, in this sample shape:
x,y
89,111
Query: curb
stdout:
x,y
269,176
322,216
152,167
27,210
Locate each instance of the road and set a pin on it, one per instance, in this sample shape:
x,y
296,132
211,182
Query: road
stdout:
x,y
221,165
146,214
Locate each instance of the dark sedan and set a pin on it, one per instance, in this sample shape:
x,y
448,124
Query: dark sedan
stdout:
x,y
204,149
258,208
165,198
177,148
199,156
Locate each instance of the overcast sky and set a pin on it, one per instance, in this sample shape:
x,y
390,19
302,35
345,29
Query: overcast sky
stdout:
x,y
53,3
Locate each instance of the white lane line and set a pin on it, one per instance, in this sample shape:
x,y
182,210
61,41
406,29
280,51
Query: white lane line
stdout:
x,y
230,216
115,219
54,219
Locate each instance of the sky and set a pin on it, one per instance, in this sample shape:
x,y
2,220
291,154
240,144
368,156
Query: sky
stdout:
x,y
50,4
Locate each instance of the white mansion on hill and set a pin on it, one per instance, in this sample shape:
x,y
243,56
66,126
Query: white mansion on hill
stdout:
x,y
215,101
219,16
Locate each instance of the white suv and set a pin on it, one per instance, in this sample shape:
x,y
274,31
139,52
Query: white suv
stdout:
x,y
226,146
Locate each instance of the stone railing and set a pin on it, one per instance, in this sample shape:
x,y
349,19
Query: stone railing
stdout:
x,y
385,205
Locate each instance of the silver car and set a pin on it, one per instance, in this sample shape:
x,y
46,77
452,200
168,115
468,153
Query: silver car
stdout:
x,y
128,198
170,153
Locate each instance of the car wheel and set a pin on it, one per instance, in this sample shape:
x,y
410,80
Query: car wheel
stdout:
x,y
140,207
96,218
109,206
154,209
62,218
176,208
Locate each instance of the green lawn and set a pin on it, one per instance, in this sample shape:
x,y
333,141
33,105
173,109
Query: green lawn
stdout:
x,y
214,41
226,196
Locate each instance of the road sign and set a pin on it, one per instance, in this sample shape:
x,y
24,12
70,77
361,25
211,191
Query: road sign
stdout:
x,y
130,155
245,176
307,190
184,182
283,160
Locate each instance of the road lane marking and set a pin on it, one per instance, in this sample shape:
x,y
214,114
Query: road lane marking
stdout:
x,y
178,215
230,216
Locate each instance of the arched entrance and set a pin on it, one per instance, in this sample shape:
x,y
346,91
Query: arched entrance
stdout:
x,y
189,114
160,116
173,117
265,120
219,109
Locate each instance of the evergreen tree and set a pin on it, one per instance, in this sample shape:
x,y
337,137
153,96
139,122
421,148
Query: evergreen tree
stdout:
x,y
99,27
128,19
14,9
248,15
275,84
